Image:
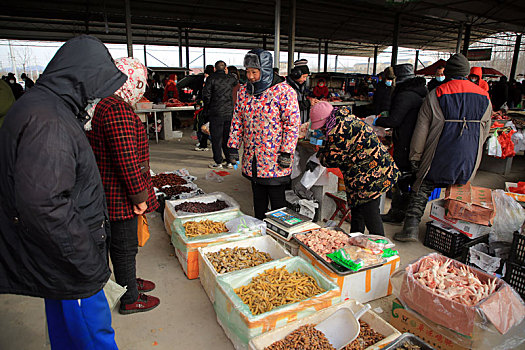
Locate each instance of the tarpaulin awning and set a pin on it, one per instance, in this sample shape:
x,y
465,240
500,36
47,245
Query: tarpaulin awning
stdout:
x,y
431,70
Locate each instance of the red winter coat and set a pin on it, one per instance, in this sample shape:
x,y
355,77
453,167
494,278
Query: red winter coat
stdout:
x,y
171,91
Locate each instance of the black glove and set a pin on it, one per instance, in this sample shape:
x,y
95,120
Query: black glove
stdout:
x,y
284,160
233,155
311,165
414,166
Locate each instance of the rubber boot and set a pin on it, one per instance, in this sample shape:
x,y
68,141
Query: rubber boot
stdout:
x,y
410,230
393,216
396,214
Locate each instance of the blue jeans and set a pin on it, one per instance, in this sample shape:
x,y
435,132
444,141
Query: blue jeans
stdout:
x,y
81,324
123,249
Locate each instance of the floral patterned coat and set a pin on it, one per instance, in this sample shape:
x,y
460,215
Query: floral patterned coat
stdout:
x,y
266,124
354,148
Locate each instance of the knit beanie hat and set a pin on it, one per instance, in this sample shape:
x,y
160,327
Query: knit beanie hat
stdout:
x,y
319,113
302,64
457,66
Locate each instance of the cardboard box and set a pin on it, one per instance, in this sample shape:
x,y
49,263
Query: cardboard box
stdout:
x,y
438,212
470,203
362,286
408,321
376,323
240,325
502,309
207,273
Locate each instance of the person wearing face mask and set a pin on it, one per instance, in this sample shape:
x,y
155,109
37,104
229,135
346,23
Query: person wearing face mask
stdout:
x,y
297,80
266,121
383,93
54,234
475,76
321,90
438,79
170,88
17,89
406,101
121,150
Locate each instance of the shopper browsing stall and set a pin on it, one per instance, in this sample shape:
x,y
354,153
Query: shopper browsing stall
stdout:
x,y
367,167
122,154
266,121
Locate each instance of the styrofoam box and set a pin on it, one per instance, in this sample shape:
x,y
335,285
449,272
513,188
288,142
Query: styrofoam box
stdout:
x,y
374,321
362,286
208,274
205,198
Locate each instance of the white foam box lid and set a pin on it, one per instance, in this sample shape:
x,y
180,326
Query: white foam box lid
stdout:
x,y
208,274
374,321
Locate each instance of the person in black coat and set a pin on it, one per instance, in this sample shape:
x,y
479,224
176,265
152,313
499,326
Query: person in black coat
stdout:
x,y
218,107
500,93
297,80
383,93
438,79
17,89
407,99
53,210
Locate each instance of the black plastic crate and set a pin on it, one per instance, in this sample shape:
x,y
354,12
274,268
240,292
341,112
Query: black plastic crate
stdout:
x,y
517,252
447,243
515,276
465,256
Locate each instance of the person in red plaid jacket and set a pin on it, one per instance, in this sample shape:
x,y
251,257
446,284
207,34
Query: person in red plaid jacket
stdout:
x,y
121,149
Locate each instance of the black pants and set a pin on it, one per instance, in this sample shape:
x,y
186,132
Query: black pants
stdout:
x,y
123,250
203,139
367,215
264,193
219,132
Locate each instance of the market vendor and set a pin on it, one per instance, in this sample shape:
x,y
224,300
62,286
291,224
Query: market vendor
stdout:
x,y
297,80
367,167
266,120
321,90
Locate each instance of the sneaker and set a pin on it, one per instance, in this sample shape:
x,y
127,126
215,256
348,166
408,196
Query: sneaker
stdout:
x,y
229,165
143,303
145,286
215,166
201,149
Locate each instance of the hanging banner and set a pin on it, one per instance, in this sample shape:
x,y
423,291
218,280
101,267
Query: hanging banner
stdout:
x,y
479,54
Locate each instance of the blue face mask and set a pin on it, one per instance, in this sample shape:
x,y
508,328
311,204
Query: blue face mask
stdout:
x,y
440,78
388,83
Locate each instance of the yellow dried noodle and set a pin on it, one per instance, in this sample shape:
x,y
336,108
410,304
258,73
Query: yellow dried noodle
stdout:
x,y
204,227
276,287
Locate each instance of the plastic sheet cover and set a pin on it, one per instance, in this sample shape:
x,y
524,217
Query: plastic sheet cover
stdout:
x,y
496,322
241,325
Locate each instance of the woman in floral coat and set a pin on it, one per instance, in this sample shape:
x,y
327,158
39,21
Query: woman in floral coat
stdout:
x,y
266,121
367,167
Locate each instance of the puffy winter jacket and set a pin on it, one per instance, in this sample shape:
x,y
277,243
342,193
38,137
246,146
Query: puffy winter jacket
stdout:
x,y
52,205
302,99
451,128
406,101
218,96
266,124
479,72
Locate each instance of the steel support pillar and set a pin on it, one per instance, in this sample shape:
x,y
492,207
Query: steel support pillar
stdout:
x,y
466,42
187,42
277,35
180,47
460,37
395,40
515,57
129,40
374,72
326,56
291,34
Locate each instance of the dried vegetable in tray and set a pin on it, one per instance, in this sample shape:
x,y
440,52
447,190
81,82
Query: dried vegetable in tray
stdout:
x,y
204,227
228,259
307,337
276,287
200,207
170,179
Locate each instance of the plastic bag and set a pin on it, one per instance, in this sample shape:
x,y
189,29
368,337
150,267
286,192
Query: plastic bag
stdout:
x,y
496,322
493,146
355,258
113,292
212,176
373,242
507,146
509,217
246,223
206,128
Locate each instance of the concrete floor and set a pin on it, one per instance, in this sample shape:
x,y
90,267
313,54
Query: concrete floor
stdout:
x,y
185,319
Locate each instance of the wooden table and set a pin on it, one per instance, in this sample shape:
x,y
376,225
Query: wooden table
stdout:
x,y
142,113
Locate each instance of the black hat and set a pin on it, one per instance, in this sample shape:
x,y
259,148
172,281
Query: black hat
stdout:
x,y
302,65
403,72
457,66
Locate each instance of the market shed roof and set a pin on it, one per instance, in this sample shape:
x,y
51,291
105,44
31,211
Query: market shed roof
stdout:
x,y
350,27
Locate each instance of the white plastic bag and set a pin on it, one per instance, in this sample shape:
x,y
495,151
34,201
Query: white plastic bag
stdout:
x,y
509,217
113,292
214,177
246,223
493,146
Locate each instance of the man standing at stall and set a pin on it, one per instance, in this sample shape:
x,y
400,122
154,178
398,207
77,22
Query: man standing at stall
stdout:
x,y
297,80
217,96
53,217
447,144
438,79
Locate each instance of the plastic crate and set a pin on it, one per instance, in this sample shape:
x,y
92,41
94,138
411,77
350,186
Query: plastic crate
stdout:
x,y
435,194
448,242
517,252
465,256
515,276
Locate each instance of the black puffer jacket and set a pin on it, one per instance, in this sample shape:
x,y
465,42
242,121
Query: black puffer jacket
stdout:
x,y
217,95
52,204
382,98
406,101
302,98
